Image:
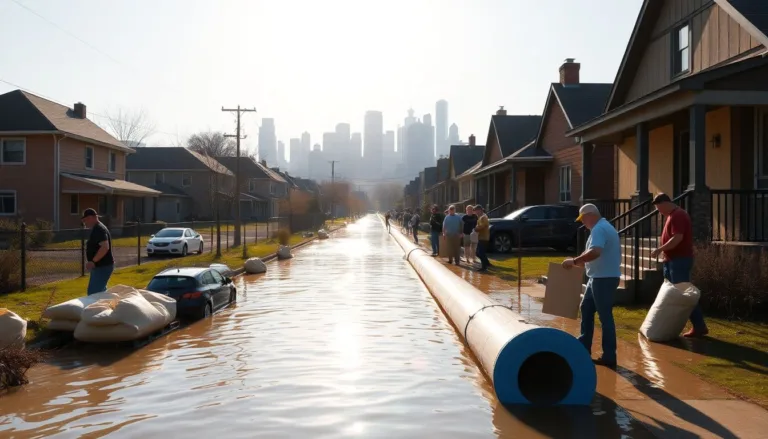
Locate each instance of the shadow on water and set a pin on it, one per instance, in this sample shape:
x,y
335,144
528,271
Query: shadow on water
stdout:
x,y
743,356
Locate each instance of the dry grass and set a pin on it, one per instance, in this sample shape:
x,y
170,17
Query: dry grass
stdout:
x,y
14,364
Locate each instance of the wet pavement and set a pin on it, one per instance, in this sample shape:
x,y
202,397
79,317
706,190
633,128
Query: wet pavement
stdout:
x,y
341,341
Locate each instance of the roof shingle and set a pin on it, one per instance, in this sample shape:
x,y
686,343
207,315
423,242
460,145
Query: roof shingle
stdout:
x,y
465,156
172,159
514,132
582,102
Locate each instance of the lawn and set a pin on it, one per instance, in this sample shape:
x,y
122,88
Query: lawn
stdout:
x,y
31,303
533,265
127,241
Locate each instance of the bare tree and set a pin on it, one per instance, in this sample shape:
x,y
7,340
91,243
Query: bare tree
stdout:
x,y
130,127
212,143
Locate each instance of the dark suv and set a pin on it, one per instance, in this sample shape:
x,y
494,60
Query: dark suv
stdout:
x,y
537,226
199,292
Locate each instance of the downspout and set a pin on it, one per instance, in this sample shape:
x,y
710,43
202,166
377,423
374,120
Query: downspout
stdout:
x,y
56,180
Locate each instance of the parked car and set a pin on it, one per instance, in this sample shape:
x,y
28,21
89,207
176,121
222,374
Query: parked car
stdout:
x,y
175,241
536,226
199,292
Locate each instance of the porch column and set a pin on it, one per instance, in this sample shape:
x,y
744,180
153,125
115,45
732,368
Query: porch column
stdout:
x,y
643,163
154,209
700,200
513,186
586,171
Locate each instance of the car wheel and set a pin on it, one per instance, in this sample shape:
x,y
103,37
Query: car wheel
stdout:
x,y
201,249
502,243
184,250
233,296
208,311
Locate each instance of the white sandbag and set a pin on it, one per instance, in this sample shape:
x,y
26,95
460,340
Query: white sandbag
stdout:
x,y
670,311
13,329
255,266
131,315
322,234
72,309
62,325
284,252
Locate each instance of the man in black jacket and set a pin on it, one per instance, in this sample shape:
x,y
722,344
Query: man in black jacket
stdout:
x,y
436,229
98,253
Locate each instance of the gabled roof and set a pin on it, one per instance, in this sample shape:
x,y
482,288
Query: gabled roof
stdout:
x,y
580,102
250,168
167,189
443,169
23,112
430,176
513,132
752,15
464,157
471,170
174,158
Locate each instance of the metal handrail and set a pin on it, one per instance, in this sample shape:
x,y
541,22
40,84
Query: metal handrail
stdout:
x,y
655,212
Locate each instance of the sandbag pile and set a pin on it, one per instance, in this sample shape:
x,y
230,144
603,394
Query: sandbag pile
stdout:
x,y
322,234
284,252
255,266
13,329
670,311
130,315
65,316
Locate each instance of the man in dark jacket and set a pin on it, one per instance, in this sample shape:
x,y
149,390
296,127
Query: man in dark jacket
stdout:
x,y
435,229
98,253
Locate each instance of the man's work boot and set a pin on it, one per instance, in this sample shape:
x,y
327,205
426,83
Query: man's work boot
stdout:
x,y
696,333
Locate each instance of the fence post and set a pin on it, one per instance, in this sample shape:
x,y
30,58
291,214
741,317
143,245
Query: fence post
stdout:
x,y
211,244
268,228
138,242
245,241
23,243
82,251
520,260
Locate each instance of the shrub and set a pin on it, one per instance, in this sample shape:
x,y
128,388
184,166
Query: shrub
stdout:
x,y
284,236
733,280
40,233
10,270
14,364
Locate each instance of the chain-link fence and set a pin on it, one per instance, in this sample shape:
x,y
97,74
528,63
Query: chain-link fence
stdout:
x,y
32,256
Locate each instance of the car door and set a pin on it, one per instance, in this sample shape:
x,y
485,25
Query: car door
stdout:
x,y
563,225
211,288
223,290
535,227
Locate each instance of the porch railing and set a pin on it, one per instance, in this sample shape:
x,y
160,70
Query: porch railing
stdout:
x,y
740,215
620,221
612,208
501,210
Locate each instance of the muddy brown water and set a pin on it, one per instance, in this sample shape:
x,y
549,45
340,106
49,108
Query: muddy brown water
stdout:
x,y
341,341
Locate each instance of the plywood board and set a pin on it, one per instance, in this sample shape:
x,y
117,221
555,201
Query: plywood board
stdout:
x,y
443,249
563,294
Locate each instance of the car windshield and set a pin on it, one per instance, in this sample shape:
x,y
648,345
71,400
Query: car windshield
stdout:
x,y
516,213
166,283
169,233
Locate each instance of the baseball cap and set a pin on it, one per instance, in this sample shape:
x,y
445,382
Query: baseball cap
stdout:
x,y
478,207
661,198
586,209
89,212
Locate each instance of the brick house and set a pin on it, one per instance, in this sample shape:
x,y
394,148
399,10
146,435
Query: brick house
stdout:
x,y
687,113
461,184
55,162
436,194
262,187
187,182
571,103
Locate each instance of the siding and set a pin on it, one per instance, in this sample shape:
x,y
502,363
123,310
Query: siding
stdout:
x,y
627,168
201,189
715,38
72,159
33,181
492,151
661,149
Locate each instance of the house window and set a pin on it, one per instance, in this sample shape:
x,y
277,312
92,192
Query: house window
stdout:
x,y
186,180
7,203
74,204
565,184
271,189
13,151
681,41
112,161
251,185
159,178
88,157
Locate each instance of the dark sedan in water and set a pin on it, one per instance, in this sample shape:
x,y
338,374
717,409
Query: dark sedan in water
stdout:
x,y
552,226
199,292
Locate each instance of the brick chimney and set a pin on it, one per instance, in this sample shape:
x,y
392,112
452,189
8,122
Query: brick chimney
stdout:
x,y
264,163
569,72
501,111
80,112
472,140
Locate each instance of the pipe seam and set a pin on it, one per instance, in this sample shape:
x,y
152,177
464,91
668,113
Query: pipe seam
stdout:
x,y
472,316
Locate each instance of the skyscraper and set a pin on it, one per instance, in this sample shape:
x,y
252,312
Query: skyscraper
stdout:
x,y
373,143
267,140
402,137
419,153
442,146
453,135
356,155
280,162
317,164
390,160
299,158
306,144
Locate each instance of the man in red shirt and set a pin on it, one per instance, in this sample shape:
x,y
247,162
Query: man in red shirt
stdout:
x,y
677,253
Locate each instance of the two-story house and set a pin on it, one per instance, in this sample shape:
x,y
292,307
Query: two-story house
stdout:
x,y
461,183
262,187
55,162
190,185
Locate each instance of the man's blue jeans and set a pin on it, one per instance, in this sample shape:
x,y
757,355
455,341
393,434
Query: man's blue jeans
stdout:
x,y
599,298
679,270
435,238
99,278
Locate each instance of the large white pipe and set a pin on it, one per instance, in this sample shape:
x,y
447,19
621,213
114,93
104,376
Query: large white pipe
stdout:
x,y
527,364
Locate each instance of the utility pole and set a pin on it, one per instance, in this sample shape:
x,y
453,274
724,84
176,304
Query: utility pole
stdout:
x,y
333,188
237,136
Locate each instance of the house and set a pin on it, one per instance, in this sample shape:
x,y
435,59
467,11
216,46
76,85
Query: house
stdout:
x,y
189,184
461,183
512,171
261,187
427,179
571,103
55,163
436,194
688,115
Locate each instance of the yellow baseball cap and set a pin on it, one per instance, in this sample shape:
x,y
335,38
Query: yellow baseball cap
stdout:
x,y
586,209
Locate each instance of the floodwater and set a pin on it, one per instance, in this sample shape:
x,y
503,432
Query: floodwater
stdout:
x,y
341,341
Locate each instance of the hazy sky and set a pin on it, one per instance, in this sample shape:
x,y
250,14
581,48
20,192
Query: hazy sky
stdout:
x,y
309,64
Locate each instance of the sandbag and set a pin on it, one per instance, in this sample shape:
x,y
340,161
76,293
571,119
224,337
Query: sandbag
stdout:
x,y
131,315
62,325
72,309
322,234
255,266
670,311
13,329
284,252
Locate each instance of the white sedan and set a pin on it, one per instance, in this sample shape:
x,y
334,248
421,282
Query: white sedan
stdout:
x,y
175,241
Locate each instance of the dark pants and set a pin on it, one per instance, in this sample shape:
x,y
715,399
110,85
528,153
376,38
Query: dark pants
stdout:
x,y
434,236
482,249
599,298
679,270
97,281
415,234
387,225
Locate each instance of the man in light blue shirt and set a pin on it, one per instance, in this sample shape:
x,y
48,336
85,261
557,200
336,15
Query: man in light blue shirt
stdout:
x,y
453,231
602,260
